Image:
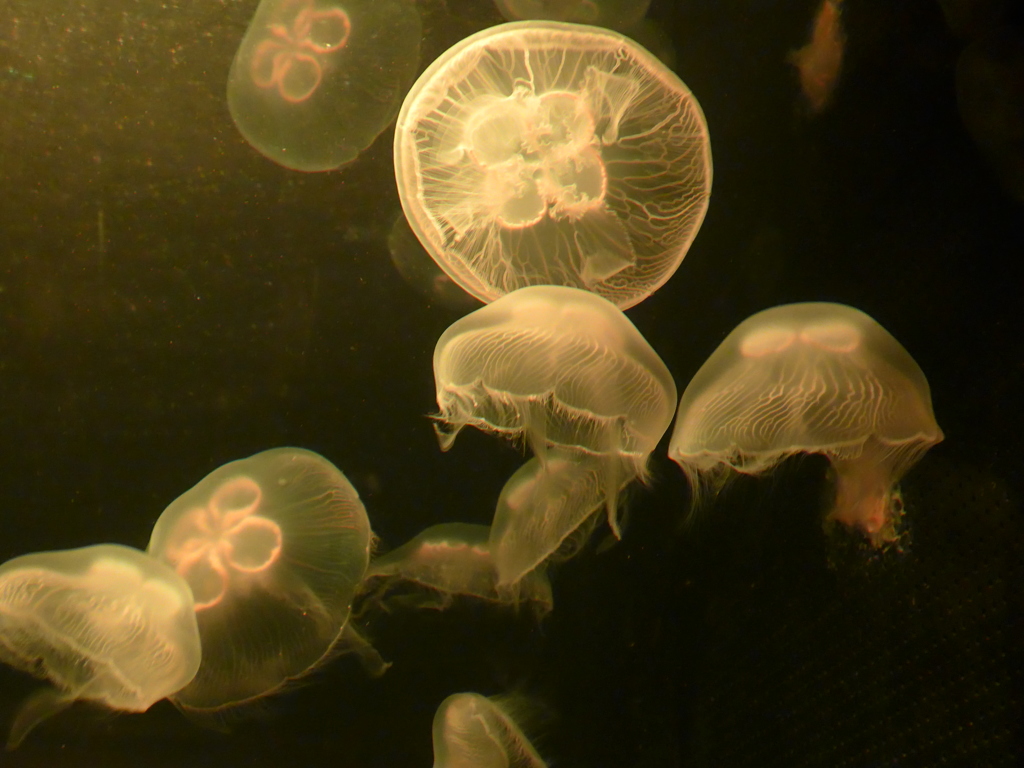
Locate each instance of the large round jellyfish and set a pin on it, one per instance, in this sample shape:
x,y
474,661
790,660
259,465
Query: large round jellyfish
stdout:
x,y
546,511
815,378
104,623
561,367
616,14
273,547
314,82
546,153
451,560
471,731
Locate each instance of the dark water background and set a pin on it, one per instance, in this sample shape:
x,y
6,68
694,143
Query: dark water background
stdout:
x,y
231,305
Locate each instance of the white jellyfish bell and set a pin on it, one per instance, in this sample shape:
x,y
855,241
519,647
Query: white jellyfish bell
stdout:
x,y
314,82
562,368
812,378
273,548
544,153
106,624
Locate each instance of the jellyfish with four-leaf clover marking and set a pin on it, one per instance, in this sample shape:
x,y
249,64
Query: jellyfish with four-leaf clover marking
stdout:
x,y
471,731
546,512
314,82
561,368
810,378
273,548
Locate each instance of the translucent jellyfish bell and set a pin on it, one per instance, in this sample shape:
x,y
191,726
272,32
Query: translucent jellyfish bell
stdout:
x,y
546,510
559,366
546,153
448,561
314,82
815,378
104,623
273,548
471,731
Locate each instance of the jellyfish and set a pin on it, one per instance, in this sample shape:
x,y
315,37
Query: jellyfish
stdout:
x,y
615,14
314,82
106,624
812,378
544,153
447,561
561,367
471,731
819,62
273,548
546,512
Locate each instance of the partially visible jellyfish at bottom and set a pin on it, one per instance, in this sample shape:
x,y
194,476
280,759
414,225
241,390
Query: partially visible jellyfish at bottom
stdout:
x,y
445,562
105,623
810,378
471,731
273,548
547,511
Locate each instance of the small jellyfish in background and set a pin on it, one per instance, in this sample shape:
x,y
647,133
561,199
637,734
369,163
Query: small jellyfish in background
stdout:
x,y
560,367
812,378
543,153
106,624
447,561
820,61
314,82
615,14
273,548
471,731
546,512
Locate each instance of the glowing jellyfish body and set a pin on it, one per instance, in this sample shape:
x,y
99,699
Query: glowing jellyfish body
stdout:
x,y
615,14
546,511
471,731
451,560
104,623
273,548
815,378
545,153
563,368
315,81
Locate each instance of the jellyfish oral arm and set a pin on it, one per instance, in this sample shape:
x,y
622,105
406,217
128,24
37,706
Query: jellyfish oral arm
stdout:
x,y
39,706
866,496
